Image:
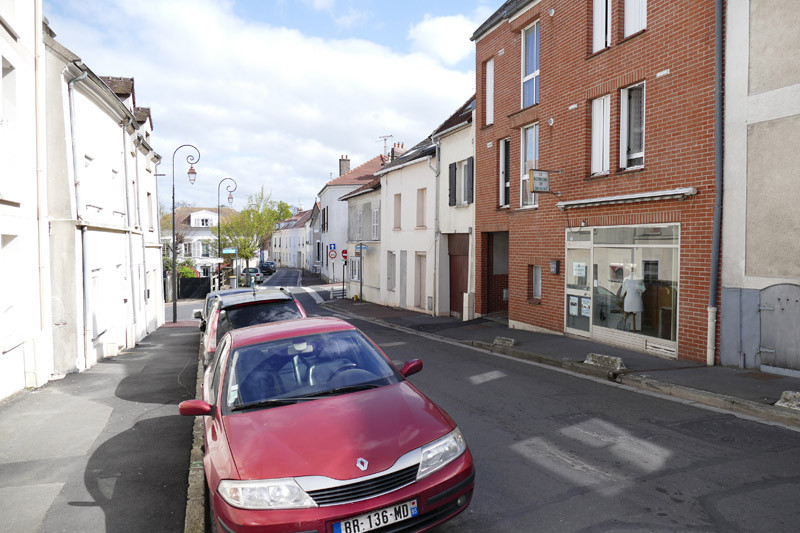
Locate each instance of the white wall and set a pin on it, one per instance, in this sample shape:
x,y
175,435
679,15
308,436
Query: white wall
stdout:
x,y
336,233
369,288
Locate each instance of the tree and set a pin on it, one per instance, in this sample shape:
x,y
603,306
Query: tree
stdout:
x,y
250,229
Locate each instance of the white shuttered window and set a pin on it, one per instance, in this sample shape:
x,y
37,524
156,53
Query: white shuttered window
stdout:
x,y
601,131
601,24
635,16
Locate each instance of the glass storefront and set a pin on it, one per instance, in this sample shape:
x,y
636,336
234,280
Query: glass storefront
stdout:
x,y
623,279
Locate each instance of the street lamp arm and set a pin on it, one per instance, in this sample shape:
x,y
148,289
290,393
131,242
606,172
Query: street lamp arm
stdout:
x,y
191,159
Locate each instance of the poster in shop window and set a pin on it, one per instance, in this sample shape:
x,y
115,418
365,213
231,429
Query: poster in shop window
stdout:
x,y
586,307
573,306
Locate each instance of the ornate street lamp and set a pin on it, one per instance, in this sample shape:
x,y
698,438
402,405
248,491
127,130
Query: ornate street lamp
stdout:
x,y
219,223
192,175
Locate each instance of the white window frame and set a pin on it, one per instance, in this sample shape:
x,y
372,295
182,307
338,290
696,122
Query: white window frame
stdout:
x,y
536,282
489,110
398,206
357,222
601,25
528,199
635,16
355,268
462,183
187,249
601,135
376,235
503,177
624,134
535,74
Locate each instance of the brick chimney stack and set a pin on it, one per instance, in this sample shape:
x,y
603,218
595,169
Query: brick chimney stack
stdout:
x,y
397,151
344,165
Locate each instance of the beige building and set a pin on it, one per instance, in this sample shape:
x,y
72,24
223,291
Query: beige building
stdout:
x,y
761,222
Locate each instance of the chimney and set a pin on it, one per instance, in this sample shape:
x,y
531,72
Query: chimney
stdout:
x,y
344,165
397,151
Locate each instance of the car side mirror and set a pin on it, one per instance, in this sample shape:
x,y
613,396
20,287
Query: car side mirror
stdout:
x,y
197,313
194,408
411,367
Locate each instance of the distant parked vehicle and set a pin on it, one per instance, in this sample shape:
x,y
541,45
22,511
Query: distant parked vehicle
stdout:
x,y
310,427
267,267
255,274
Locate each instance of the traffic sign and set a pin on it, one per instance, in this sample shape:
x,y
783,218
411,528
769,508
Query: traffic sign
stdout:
x,y
332,254
344,255
229,250
361,246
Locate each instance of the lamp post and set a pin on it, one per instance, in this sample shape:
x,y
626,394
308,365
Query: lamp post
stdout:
x,y
219,223
192,174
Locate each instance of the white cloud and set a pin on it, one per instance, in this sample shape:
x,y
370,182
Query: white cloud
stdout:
x,y
445,38
265,105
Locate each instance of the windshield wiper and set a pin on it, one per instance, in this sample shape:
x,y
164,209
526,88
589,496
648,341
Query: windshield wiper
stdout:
x,y
343,390
271,402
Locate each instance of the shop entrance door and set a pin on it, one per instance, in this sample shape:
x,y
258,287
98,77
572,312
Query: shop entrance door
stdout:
x,y
578,308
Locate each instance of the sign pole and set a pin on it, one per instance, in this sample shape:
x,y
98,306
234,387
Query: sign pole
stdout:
x,y
360,273
344,265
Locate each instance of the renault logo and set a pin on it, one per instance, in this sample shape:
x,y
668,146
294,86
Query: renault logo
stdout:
x,y
362,464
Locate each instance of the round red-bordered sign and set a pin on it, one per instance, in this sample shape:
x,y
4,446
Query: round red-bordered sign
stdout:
x,y
332,254
344,254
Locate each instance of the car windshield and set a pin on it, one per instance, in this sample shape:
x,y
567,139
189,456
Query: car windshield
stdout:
x,y
304,368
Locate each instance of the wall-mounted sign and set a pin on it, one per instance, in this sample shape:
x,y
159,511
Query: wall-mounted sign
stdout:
x,y
539,180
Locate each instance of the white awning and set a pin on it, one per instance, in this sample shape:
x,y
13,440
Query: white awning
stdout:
x,y
672,194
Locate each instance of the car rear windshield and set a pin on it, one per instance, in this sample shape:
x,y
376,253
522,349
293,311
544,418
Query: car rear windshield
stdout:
x,y
303,368
260,313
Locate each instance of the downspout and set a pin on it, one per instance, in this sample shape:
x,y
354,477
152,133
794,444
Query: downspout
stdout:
x,y
718,162
144,253
436,172
87,333
123,126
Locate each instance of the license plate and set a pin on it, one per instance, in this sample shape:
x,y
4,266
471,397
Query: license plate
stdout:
x,y
377,519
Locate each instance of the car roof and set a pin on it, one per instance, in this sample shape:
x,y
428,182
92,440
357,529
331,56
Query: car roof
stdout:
x,y
263,295
287,329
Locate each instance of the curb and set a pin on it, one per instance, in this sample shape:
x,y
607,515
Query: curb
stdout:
x,y
195,521
772,413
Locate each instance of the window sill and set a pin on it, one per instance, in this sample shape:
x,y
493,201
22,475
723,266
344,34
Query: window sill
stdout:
x,y
597,176
487,126
420,227
503,207
598,52
632,36
630,170
535,301
527,207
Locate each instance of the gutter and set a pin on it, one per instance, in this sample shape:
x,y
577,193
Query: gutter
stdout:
x,y
87,334
406,164
718,168
436,234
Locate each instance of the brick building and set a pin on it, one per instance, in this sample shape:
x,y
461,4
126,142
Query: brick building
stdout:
x,y
615,100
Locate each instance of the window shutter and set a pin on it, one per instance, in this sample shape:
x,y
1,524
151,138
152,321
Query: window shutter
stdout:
x,y
470,179
452,184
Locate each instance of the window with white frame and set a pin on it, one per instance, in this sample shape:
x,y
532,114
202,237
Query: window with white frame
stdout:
x,y
206,249
489,91
534,282
504,192
397,210
601,25
205,222
376,229
530,65
530,161
601,131
461,182
150,211
187,249
357,224
635,16
355,268
632,126
391,268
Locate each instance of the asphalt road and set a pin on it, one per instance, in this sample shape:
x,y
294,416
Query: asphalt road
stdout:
x,y
559,452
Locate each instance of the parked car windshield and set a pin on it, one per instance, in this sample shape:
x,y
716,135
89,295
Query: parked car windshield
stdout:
x,y
304,368
256,313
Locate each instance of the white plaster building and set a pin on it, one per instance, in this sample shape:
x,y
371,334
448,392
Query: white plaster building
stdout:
x,y
196,233
364,241
761,222
333,213
102,198
26,349
408,189
290,242
454,292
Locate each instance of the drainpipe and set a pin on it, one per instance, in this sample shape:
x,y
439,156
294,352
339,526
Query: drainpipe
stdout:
x,y
128,222
436,236
144,251
718,160
87,333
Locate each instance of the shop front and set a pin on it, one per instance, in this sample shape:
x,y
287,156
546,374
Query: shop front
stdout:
x,y
622,286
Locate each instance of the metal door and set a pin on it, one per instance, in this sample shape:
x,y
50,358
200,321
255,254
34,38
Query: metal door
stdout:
x,y
780,318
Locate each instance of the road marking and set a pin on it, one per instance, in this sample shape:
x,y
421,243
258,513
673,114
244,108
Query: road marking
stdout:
x,y
390,344
488,376
313,293
299,278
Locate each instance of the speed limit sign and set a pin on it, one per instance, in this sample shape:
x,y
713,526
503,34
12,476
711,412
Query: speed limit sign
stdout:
x,y
344,255
332,254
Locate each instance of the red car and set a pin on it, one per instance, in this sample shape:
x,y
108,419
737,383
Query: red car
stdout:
x,y
309,427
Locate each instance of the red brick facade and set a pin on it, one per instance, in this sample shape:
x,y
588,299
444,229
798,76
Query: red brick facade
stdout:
x,y
674,57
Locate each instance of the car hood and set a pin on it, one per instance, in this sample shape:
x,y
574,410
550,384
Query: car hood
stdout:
x,y
326,437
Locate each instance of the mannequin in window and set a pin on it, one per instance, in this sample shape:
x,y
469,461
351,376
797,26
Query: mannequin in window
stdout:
x,y
631,290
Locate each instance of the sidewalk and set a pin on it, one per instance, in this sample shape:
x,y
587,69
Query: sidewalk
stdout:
x,y
745,391
104,449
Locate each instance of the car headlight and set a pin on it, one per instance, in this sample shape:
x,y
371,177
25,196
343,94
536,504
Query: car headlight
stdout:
x,y
441,452
265,494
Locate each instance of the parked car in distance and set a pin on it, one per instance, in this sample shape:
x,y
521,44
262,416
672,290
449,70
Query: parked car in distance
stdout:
x,y
239,310
310,427
203,312
255,274
267,267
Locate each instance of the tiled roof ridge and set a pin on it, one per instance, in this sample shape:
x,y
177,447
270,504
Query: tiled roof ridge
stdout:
x,y
352,174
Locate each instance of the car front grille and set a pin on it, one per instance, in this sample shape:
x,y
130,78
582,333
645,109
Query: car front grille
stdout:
x,y
365,489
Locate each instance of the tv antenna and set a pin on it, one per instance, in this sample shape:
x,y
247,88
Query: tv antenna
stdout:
x,y
385,143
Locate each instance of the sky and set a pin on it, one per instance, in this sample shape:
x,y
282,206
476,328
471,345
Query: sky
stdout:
x,y
273,92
